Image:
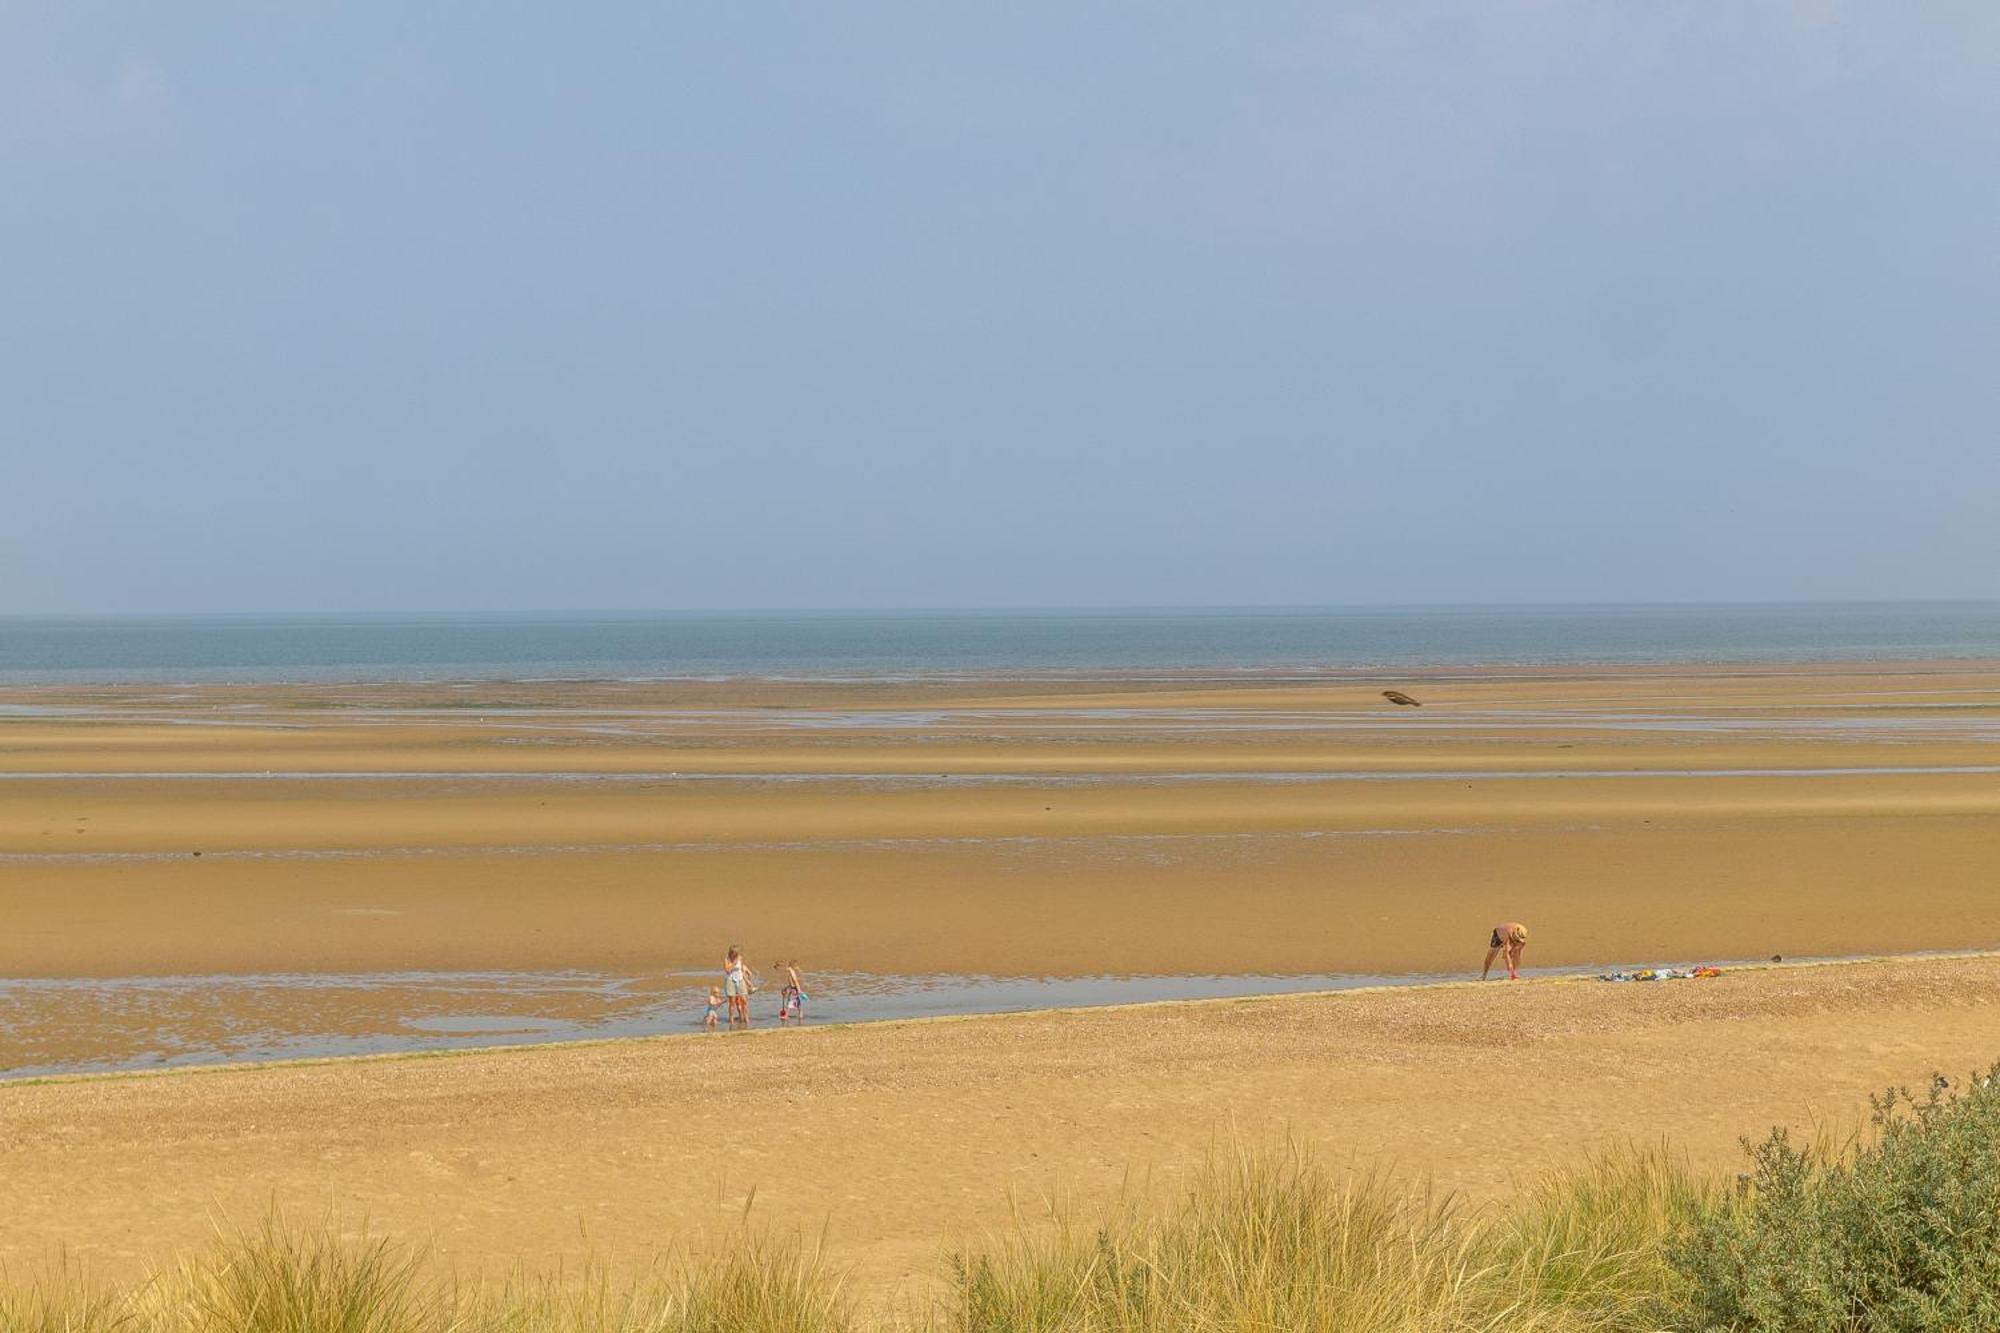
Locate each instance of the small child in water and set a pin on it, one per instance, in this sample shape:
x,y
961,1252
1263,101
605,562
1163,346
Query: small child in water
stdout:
x,y
714,1008
792,999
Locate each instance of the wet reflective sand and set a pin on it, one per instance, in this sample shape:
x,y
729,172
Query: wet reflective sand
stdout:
x,y
131,1023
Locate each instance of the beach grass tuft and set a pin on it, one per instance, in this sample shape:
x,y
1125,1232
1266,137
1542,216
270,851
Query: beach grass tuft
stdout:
x,y
1591,1241
284,1279
757,1284
63,1300
1273,1240
277,1279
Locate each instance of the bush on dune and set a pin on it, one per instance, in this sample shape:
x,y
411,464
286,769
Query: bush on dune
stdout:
x,y
1898,1230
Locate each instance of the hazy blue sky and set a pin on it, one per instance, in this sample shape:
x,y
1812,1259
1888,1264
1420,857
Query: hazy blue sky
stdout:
x,y
495,306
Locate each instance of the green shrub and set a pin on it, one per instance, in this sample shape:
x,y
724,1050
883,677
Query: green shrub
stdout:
x,y
1898,1230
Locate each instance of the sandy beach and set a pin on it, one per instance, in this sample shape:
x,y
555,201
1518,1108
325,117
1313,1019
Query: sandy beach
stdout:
x,y
896,1138
503,857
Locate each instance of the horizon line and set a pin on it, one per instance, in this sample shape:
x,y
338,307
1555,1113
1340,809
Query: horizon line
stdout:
x,y
996,608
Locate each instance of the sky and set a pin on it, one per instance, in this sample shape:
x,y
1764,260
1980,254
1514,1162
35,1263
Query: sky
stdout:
x,y
496,306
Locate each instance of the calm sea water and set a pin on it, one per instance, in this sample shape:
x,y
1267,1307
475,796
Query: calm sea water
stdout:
x,y
927,644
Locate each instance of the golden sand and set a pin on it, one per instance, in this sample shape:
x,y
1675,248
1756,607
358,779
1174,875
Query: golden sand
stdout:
x,y
897,1138
1031,829
1047,828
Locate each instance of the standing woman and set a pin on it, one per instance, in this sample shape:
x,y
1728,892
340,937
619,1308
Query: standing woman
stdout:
x,y
1510,938
736,986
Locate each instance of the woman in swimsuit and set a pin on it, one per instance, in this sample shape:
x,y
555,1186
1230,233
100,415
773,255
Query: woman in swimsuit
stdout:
x,y
737,983
1510,938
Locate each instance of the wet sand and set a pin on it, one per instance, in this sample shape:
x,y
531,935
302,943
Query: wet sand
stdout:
x,y
1057,828
900,1137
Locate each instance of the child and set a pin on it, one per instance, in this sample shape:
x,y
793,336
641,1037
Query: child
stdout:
x,y
792,999
714,1008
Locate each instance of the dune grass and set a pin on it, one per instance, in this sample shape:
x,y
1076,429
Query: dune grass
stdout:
x,y
1264,1240
1895,1229
1271,1240
283,1279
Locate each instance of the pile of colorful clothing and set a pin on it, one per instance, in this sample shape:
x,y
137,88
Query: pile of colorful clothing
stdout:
x,y
1663,974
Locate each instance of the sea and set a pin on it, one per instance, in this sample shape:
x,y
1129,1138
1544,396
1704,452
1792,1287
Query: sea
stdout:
x,y
921,645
